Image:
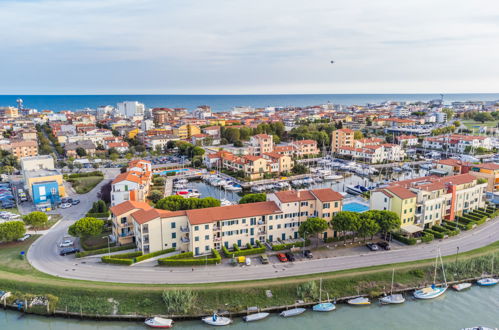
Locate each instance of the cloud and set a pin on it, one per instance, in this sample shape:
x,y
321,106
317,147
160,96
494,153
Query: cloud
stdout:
x,y
221,46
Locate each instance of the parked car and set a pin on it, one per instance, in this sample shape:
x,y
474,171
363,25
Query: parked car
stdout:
x,y
66,243
282,257
372,246
25,237
68,250
384,245
8,205
290,256
308,254
65,205
75,202
248,261
64,200
264,259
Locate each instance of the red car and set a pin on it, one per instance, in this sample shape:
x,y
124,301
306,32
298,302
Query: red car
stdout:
x,y
282,257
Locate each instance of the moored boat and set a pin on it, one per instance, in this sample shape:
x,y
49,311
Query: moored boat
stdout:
x,y
488,281
216,320
360,301
461,286
159,322
292,312
479,328
325,306
392,298
255,317
430,292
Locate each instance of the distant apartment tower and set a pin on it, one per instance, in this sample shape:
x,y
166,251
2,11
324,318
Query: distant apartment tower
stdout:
x,y
401,112
342,138
261,143
131,108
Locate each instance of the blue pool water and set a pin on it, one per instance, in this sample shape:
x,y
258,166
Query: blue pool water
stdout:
x,y
355,207
174,171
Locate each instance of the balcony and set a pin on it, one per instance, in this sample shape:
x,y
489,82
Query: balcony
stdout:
x,y
184,239
184,229
216,228
217,239
130,233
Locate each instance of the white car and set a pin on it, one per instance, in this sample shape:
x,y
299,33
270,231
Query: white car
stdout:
x,y
248,261
25,237
66,243
65,205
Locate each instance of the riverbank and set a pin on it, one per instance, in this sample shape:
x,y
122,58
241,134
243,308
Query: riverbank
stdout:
x,y
131,301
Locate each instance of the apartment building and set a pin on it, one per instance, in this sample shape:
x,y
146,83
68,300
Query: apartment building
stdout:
x,y
186,131
487,171
436,199
375,154
304,148
202,230
407,140
133,185
457,143
260,144
123,227
342,138
21,148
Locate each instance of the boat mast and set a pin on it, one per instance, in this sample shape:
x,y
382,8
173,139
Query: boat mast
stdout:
x,y
393,275
320,291
435,272
443,269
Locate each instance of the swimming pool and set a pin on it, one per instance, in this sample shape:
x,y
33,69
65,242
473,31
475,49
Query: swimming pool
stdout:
x,y
355,207
174,171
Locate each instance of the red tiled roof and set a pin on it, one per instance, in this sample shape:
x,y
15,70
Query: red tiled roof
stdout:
x,y
401,192
127,206
143,216
290,196
213,214
327,195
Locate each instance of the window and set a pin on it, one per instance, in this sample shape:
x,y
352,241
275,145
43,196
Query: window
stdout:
x,y
173,225
174,235
196,238
174,245
206,226
196,228
207,237
271,227
326,205
207,248
279,226
336,204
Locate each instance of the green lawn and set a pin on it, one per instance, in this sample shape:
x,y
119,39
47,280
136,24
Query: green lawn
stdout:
x,y
471,123
85,184
14,210
10,259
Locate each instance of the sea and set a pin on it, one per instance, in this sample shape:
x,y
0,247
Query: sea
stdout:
x,y
221,103
478,306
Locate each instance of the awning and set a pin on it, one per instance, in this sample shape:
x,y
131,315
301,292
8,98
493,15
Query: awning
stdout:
x,y
411,229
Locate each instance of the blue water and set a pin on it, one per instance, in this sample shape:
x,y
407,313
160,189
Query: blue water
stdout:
x,y
355,207
225,102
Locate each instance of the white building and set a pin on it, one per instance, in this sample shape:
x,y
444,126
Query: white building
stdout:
x,y
146,125
131,108
401,112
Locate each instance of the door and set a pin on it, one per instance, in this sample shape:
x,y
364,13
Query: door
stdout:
x,y
197,251
271,238
296,234
252,241
239,242
283,236
324,236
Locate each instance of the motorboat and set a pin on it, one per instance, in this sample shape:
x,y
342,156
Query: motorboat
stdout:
x,y
392,298
354,190
488,281
255,317
292,312
159,322
461,286
225,202
479,328
397,169
333,177
233,187
359,301
182,181
216,320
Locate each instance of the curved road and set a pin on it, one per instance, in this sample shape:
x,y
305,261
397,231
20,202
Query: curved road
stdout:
x,y
43,255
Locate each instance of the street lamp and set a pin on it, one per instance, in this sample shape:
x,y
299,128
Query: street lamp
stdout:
x,y
457,253
108,244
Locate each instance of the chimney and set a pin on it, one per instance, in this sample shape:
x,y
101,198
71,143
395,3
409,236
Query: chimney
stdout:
x,y
298,193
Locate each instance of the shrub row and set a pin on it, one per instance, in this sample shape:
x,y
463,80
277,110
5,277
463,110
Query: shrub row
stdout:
x,y
102,246
105,250
435,233
279,247
455,225
427,237
245,252
104,215
403,239
121,259
153,254
186,259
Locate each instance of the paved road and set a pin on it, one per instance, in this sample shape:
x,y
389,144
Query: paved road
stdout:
x,y
43,256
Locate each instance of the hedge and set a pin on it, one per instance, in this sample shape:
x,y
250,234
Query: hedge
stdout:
x,y
403,239
246,252
105,250
435,233
439,229
153,254
187,259
98,215
455,224
84,175
279,247
427,237
121,259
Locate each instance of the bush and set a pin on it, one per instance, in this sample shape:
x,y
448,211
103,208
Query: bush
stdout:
x,y
403,239
187,259
153,254
439,229
179,301
105,250
98,215
84,175
121,259
427,237
279,247
455,225
245,252
435,233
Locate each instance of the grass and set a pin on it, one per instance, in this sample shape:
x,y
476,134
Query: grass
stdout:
x,y
471,123
14,210
90,297
95,242
85,184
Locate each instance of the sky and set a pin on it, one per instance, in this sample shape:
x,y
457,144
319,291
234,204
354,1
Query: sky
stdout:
x,y
248,46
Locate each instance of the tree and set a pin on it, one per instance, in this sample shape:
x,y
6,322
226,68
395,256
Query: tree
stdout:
x,y
483,117
387,220
86,227
155,196
11,231
238,144
367,226
81,152
357,135
36,219
276,139
114,156
176,203
344,221
313,226
253,198
449,112
158,181
299,169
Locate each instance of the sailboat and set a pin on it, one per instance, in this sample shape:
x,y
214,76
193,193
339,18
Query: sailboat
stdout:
x,y
488,281
216,320
396,298
433,291
326,306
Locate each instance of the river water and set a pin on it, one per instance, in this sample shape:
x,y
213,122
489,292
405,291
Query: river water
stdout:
x,y
453,310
